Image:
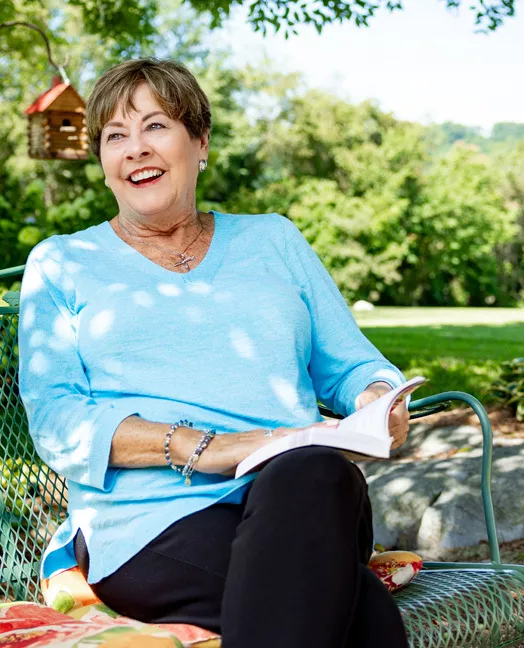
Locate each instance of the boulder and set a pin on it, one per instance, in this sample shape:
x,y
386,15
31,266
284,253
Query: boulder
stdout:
x,y
426,442
433,503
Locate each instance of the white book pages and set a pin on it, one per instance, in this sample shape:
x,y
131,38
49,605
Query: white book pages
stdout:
x,y
365,432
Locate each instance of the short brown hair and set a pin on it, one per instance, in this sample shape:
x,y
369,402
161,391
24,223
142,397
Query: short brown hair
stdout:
x,y
173,86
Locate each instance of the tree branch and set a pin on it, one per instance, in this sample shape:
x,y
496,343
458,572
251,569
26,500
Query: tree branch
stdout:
x,y
21,23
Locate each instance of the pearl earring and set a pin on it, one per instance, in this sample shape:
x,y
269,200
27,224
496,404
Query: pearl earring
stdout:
x,y
202,165
106,182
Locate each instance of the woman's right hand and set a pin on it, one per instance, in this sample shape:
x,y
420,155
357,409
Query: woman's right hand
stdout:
x,y
226,451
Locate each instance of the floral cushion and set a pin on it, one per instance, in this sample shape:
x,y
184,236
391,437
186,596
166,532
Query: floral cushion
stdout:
x,y
30,625
395,568
75,615
189,635
69,592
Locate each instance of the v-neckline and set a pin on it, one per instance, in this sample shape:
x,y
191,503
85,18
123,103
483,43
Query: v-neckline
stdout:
x,y
205,270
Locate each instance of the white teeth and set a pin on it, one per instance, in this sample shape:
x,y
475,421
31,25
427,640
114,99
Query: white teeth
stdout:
x,y
142,175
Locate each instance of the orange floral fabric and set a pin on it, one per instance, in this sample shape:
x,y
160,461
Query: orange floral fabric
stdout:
x,y
30,625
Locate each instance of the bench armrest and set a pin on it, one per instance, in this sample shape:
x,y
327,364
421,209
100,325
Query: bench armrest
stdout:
x,y
426,404
437,403
12,272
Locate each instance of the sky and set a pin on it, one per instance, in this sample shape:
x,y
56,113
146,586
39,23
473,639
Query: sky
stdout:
x,y
424,64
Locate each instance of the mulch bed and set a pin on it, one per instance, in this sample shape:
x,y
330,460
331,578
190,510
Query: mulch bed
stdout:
x,y
511,553
502,419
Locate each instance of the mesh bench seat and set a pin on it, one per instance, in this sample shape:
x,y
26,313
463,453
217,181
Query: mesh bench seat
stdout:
x,y
462,608
447,605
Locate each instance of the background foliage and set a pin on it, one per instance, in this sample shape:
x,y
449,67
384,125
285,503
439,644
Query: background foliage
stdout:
x,y
400,214
509,388
288,14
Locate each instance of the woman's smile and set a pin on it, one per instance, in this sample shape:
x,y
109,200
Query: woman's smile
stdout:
x,y
145,177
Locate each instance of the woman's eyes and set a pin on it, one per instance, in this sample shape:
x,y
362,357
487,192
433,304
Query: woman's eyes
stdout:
x,y
150,126
112,137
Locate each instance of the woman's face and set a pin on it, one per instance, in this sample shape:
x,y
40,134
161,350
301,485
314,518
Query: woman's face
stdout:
x,y
150,161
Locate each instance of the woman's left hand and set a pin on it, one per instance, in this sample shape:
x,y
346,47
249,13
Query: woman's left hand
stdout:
x,y
399,417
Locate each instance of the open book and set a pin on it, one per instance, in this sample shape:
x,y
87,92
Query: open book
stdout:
x,y
365,432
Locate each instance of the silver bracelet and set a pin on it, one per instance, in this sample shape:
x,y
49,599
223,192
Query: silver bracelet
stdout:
x,y
188,469
172,429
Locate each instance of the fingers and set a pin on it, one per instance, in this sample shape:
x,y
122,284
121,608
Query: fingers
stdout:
x,y
398,440
399,432
400,436
364,398
399,425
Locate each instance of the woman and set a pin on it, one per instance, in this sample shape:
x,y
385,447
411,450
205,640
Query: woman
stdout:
x,y
161,348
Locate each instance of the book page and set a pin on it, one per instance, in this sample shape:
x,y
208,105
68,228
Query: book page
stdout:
x,y
365,432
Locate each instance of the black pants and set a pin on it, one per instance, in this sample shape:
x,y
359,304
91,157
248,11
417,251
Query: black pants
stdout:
x,y
285,569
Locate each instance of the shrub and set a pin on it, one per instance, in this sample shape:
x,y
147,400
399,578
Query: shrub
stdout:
x,y
509,388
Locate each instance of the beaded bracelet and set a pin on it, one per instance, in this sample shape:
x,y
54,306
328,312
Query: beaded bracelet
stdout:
x,y
188,469
172,429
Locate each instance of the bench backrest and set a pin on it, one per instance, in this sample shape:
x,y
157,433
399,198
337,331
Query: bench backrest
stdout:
x,y
33,499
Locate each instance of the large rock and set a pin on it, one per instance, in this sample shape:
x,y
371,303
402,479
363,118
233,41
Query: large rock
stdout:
x,y
433,504
427,442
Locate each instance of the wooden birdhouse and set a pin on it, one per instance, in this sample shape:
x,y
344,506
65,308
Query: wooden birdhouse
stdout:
x,y
56,126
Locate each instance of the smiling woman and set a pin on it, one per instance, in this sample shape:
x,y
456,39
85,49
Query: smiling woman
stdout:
x,y
149,126
161,348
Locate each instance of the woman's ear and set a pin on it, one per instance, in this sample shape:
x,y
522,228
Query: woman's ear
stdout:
x,y
204,143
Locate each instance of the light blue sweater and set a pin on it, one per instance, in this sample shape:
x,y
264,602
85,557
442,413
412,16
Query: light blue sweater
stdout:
x,y
250,338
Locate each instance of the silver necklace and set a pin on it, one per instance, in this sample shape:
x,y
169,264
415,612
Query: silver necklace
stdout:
x,y
183,260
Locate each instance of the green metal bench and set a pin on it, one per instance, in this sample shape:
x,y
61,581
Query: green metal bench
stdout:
x,y
447,605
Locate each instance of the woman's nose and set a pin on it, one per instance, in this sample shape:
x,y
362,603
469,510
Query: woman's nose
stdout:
x,y
131,156
136,149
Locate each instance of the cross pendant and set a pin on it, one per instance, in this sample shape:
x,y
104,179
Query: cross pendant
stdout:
x,y
184,261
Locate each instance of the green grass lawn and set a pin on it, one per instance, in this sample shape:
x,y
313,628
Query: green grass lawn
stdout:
x,y
456,348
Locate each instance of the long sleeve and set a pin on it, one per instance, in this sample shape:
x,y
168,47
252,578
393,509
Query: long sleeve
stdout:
x,y
72,433
343,361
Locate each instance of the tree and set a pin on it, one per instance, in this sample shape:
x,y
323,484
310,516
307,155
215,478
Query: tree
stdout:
x,y
507,131
391,222
501,141
289,14
346,175
511,255
446,134
461,219
136,18
133,20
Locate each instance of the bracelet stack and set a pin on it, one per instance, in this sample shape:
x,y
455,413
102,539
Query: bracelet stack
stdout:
x,y
187,470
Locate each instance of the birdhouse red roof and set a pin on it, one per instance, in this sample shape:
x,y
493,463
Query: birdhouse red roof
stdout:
x,y
46,99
